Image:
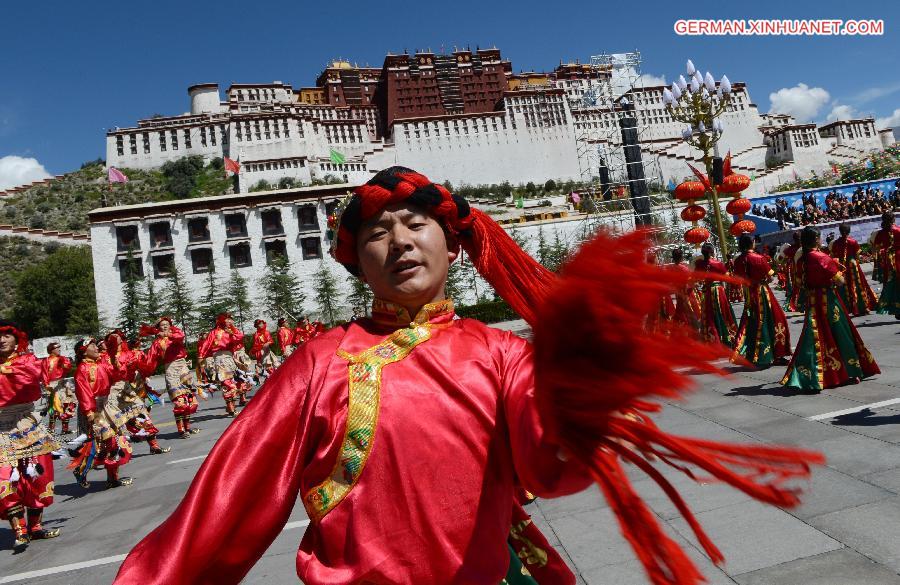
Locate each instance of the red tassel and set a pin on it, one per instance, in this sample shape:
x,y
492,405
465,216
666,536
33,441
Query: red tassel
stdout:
x,y
517,277
597,367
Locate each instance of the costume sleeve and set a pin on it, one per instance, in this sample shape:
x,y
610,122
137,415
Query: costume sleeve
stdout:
x,y
852,247
203,350
45,371
237,336
538,464
84,389
240,499
66,366
176,334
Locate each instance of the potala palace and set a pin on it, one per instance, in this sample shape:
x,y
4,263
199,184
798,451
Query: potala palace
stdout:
x,y
468,118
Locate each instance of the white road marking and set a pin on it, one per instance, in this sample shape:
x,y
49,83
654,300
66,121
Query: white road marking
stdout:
x,y
836,413
184,460
101,561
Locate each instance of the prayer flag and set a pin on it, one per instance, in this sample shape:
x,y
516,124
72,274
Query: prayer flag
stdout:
x,y
232,166
576,198
116,176
337,158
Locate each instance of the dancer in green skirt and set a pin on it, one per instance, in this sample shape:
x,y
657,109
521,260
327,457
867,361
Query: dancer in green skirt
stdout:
x,y
830,351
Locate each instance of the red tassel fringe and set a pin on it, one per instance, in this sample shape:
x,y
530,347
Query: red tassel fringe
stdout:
x,y
596,368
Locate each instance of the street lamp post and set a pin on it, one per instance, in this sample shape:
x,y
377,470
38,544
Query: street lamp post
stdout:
x,y
699,103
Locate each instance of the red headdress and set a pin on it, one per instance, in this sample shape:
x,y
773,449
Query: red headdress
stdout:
x,y
113,345
258,321
595,375
221,318
21,336
165,318
150,330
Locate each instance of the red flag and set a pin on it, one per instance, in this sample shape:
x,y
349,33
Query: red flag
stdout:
x,y
116,176
232,166
834,169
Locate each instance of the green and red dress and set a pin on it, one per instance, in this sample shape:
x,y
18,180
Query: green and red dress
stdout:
x,y
830,351
717,322
855,292
887,246
763,335
687,304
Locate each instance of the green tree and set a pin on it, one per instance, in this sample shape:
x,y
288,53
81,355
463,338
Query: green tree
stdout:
x,y
326,293
550,186
181,175
238,297
131,308
519,238
543,249
281,293
454,288
360,296
56,295
177,300
557,253
530,188
151,305
211,304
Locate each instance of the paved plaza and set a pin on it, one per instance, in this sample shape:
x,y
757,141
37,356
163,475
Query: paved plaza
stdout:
x,y
846,532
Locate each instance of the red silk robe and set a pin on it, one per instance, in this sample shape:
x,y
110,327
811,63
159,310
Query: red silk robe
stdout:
x,y
763,335
20,380
168,349
95,378
887,246
717,322
260,339
220,340
54,368
285,337
456,428
856,293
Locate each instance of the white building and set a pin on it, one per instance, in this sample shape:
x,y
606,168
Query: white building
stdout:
x,y
243,232
276,132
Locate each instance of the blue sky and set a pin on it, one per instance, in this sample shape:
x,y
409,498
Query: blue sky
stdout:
x,y
72,69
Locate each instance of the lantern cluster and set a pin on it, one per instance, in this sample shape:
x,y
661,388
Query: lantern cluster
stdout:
x,y
738,206
689,192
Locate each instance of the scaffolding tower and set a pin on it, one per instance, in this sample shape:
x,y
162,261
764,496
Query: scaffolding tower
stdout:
x,y
623,186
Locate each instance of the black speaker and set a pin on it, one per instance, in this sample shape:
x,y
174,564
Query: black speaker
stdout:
x,y
717,171
637,184
605,187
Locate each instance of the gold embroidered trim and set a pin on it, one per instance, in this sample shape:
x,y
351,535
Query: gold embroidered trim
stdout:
x,y
364,380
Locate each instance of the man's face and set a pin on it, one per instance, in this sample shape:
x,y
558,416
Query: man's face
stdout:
x,y
164,326
404,255
55,351
8,343
260,325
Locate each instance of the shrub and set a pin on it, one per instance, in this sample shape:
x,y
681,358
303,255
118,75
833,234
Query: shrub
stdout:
x,y
489,312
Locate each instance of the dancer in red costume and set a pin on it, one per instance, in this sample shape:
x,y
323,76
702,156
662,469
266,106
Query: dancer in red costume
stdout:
x,y
128,394
217,351
763,337
886,245
285,338
266,362
54,368
101,420
687,301
168,348
303,332
858,297
26,463
717,322
407,436
830,351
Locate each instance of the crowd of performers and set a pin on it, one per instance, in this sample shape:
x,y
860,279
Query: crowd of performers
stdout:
x,y
106,390
827,285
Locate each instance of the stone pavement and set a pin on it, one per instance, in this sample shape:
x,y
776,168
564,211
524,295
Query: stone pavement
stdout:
x,y
846,532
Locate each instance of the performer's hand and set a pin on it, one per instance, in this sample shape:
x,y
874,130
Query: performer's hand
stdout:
x,y
90,417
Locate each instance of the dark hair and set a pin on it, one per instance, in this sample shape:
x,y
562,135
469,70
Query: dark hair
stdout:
x,y
51,346
677,255
844,228
706,246
887,216
745,242
808,237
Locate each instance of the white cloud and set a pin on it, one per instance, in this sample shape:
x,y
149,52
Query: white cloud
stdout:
x,y
801,101
874,93
842,112
892,121
651,80
17,170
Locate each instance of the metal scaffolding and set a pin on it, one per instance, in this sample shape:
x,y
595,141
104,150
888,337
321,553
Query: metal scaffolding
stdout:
x,y
617,193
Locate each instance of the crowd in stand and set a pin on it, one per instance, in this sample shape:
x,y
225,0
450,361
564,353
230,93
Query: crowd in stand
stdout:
x,y
836,207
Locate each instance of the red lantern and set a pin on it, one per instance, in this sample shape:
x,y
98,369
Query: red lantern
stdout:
x,y
693,213
745,226
734,183
689,191
738,206
696,235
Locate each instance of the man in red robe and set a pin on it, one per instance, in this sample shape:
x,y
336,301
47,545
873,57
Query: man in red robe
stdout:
x,y
54,368
408,436
303,332
26,462
217,351
285,338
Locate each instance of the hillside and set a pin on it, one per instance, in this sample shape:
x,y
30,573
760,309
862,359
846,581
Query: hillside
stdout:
x,y
63,204
16,254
